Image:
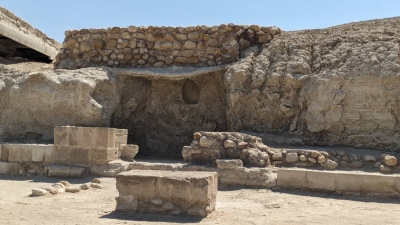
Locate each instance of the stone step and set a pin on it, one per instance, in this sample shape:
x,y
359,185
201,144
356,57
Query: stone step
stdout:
x,y
67,171
339,181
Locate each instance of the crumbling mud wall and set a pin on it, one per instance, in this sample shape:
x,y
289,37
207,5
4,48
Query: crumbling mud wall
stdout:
x,y
198,46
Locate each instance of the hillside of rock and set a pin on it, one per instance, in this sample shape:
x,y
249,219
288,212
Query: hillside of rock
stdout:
x,y
336,86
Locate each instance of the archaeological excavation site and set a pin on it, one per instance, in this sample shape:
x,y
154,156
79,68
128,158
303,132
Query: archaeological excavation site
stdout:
x,y
167,121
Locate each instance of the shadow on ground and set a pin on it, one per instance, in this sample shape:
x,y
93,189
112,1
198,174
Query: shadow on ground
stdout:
x,y
151,218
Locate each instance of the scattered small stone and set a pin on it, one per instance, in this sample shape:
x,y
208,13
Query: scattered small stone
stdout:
x,y
38,192
356,164
229,144
321,159
385,169
343,164
303,158
390,160
58,188
277,156
369,158
312,160
96,185
326,154
96,180
65,183
345,158
292,157
243,144
85,186
73,189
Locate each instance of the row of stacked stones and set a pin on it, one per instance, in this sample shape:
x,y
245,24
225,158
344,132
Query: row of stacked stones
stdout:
x,y
198,46
334,160
208,147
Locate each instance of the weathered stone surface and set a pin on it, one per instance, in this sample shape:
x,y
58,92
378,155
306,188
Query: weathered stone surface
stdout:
x,y
128,152
390,160
385,169
292,157
96,180
67,171
321,159
73,189
38,192
369,158
229,144
84,186
191,193
206,142
330,164
356,164
96,186
229,163
278,156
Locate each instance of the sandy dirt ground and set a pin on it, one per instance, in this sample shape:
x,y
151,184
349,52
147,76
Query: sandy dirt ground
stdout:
x,y
245,206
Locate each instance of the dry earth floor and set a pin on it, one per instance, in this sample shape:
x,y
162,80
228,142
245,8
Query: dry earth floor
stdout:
x,y
246,206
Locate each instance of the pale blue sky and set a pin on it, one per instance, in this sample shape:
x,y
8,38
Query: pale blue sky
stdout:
x,y
53,17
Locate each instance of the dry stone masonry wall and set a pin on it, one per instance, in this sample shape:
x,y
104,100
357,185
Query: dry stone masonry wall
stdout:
x,y
197,46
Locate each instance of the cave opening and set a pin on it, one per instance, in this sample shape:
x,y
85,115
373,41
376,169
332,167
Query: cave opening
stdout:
x,y
162,114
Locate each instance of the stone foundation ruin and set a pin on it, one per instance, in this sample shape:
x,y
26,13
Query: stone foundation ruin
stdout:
x,y
229,104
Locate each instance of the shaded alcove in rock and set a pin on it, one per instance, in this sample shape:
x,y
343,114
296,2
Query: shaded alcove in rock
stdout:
x,y
161,112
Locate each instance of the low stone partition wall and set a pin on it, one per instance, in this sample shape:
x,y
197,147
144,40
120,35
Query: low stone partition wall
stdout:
x,y
210,146
232,173
86,146
159,46
166,192
339,181
22,159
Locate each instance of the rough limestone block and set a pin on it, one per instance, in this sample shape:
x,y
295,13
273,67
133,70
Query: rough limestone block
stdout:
x,y
320,180
61,136
128,152
67,171
14,153
229,163
62,154
348,182
156,191
187,153
87,137
110,169
378,183
38,153
4,152
74,135
105,137
49,154
103,155
120,138
3,168
26,152
290,178
79,156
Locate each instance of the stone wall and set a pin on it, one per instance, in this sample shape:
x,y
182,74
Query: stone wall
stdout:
x,y
85,146
159,46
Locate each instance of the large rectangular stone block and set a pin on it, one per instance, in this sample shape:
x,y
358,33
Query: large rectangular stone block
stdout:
x,y
74,135
49,154
14,153
13,169
3,168
87,137
290,178
156,191
61,136
38,153
62,155
79,156
105,137
103,155
26,152
321,180
4,152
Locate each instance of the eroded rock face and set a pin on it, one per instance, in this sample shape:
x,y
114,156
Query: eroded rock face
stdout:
x,y
335,86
